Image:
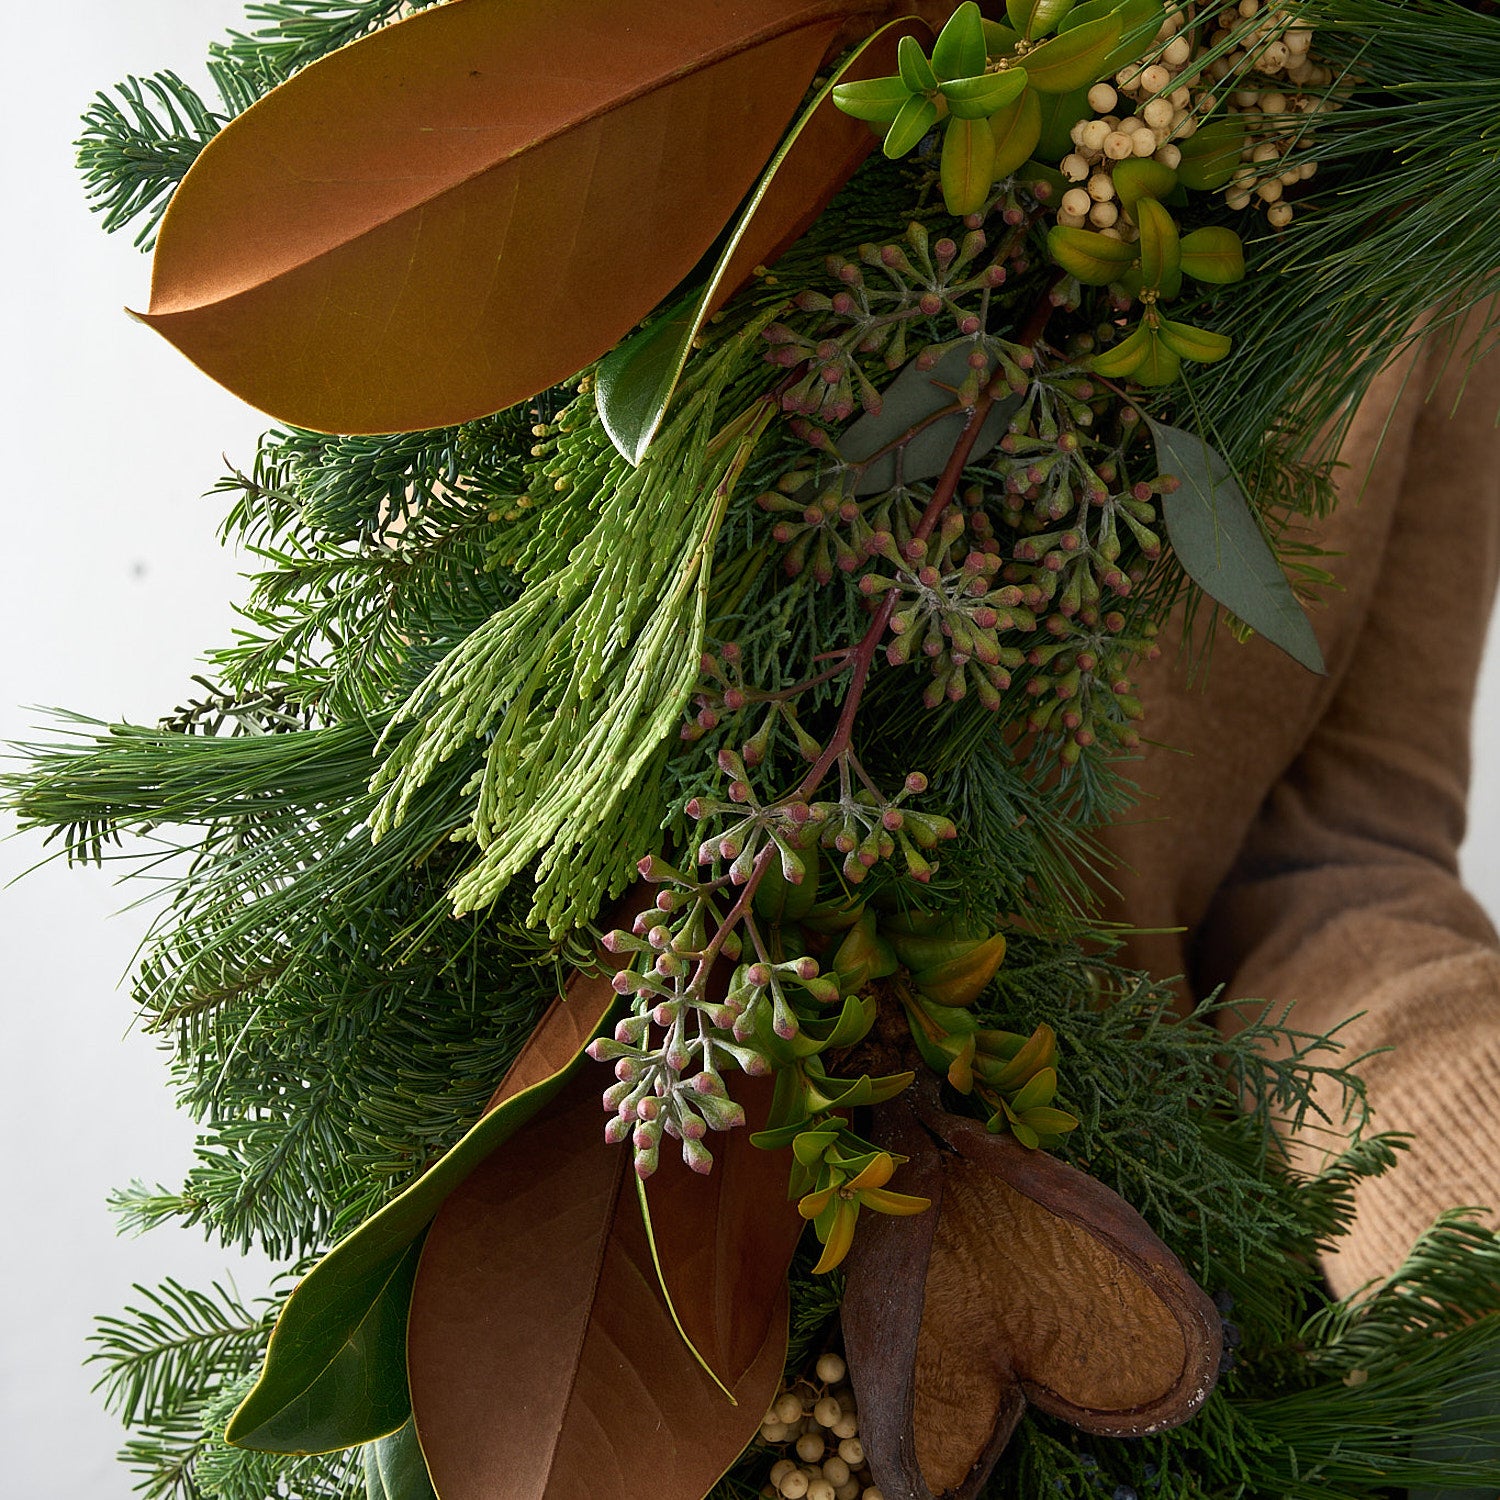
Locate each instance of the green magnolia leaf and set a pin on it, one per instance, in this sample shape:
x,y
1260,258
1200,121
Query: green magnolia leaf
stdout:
x,y
1057,115
1211,155
916,71
1161,261
960,51
1213,254
968,166
913,397
1140,177
875,99
1000,41
1017,129
335,1369
395,1468
1075,58
637,379
1194,343
1095,259
979,98
1035,18
918,116
1219,543
335,1372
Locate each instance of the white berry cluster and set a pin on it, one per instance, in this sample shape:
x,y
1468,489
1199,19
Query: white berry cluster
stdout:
x,y
816,1419
1261,56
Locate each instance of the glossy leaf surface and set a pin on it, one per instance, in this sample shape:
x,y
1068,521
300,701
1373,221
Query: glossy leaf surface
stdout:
x,y
395,1468
469,206
1213,254
543,1359
1220,545
1017,129
334,1370
1073,59
636,381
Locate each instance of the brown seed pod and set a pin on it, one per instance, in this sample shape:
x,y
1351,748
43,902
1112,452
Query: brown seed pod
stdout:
x,y
1027,1281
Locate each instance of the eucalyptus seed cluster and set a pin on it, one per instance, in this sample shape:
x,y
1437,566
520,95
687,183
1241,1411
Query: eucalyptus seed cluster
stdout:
x,y
887,303
814,1421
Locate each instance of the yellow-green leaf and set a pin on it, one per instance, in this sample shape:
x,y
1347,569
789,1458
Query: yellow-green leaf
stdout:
x,y
959,51
1075,58
1213,254
1160,366
916,71
875,99
1160,257
1122,360
1140,177
1035,18
1059,114
968,165
981,97
918,116
1000,41
1211,155
1194,343
1016,129
1095,259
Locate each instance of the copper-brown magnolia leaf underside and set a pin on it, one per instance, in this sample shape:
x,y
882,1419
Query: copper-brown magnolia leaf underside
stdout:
x,y
1027,1281
469,206
544,1361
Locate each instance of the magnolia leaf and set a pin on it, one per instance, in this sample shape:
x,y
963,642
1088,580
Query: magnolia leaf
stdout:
x,y
1221,548
1027,1282
467,207
913,397
395,1468
541,1353
636,380
1074,58
1035,18
334,1373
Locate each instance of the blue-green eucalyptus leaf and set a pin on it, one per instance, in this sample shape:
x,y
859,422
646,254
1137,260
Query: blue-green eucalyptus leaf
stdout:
x,y
1220,545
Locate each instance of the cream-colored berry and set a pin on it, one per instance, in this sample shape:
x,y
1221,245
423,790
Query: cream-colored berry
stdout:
x,y
793,1485
1269,192
1248,8
1185,127
1273,104
1169,156
852,1451
1076,201
820,1489
1102,98
1117,146
1100,187
1279,215
1074,167
1237,200
846,1427
780,1469
1112,233
848,1490
788,1408
1291,177
835,1471
1127,78
1181,98
873,1492
827,1412
1298,40
1177,52
1307,169
774,1432
810,1447
1144,142
1155,78
1158,114
1275,57
1095,133
1071,221
1103,215
1266,151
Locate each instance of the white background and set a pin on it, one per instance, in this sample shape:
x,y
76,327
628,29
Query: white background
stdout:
x,y
110,584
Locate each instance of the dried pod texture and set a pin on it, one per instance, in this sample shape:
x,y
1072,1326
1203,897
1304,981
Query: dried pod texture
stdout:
x,y
1028,1281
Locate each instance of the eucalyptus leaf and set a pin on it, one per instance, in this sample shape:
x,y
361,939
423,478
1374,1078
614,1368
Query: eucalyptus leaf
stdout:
x,y
636,380
395,1468
1220,546
912,397
335,1370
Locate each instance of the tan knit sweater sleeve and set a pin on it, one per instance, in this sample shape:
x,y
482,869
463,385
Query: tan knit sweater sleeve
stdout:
x,y
1304,833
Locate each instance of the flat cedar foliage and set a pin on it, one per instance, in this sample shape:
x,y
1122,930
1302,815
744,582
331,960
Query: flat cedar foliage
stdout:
x,y
491,676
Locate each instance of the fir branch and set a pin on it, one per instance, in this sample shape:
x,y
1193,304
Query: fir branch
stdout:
x,y
138,144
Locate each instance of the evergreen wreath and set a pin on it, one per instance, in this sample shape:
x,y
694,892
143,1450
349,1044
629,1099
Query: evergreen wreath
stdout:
x,y
699,581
